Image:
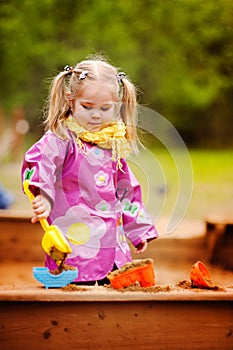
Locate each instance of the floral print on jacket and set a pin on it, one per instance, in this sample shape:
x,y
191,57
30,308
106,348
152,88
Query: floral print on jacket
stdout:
x,y
96,205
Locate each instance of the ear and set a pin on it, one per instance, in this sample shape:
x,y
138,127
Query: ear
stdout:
x,y
68,95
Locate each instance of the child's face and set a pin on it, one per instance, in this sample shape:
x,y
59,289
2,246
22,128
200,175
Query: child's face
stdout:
x,y
95,108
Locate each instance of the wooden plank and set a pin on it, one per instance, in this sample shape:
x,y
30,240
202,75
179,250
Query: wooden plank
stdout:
x,y
219,239
20,241
15,215
36,292
144,325
219,219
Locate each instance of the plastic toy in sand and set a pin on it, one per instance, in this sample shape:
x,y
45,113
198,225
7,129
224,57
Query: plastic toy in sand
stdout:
x,y
200,276
50,280
137,271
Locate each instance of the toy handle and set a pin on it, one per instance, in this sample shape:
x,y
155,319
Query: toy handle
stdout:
x,y
26,184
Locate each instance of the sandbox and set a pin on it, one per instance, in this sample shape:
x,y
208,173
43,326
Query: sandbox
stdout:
x,y
169,315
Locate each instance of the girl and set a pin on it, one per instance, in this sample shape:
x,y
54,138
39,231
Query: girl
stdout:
x,y
79,174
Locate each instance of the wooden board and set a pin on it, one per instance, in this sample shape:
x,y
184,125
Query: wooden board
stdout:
x,y
15,215
20,241
144,325
35,292
219,239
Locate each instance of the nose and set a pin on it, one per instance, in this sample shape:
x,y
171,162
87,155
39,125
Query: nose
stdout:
x,y
95,114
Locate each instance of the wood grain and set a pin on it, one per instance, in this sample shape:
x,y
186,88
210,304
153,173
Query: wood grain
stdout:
x,y
144,325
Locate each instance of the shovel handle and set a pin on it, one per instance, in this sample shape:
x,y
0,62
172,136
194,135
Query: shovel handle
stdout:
x,y
26,184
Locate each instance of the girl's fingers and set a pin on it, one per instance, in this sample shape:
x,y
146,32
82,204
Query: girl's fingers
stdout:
x,y
40,210
34,220
42,215
141,247
37,201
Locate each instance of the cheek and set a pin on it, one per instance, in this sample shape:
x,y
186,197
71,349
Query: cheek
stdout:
x,y
79,111
81,117
114,113
77,108
108,116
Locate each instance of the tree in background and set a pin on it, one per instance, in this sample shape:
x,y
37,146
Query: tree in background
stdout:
x,y
179,53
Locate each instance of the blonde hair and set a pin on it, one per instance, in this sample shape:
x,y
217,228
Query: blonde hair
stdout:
x,y
68,84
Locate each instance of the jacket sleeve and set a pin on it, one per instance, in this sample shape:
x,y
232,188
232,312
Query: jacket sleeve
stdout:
x,y
137,223
44,161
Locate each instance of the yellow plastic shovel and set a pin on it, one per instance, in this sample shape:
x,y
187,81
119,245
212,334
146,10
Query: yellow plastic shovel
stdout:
x,y
53,241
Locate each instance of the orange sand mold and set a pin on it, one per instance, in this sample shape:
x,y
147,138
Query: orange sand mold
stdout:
x,y
200,276
138,271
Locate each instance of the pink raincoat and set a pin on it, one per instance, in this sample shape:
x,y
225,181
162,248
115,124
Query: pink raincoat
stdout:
x,y
95,204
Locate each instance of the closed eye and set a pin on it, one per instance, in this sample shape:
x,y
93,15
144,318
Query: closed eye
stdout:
x,y
88,107
106,107
103,108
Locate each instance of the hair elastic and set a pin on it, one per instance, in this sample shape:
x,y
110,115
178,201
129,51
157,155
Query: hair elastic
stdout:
x,y
120,76
68,69
83,74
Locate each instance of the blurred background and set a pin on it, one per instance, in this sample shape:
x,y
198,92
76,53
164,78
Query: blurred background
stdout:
x,y
178,53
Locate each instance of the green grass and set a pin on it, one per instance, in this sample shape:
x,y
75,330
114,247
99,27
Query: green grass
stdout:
x,y
213,166
213,186
212,181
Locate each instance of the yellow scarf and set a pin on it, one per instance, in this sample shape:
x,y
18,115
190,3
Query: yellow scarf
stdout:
x,y
110,137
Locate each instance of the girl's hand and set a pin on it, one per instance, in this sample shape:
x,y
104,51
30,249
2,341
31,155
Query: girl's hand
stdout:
x,y
141,247
41,208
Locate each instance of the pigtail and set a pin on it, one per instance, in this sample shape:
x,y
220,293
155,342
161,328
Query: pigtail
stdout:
x,y
59,105
129,112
